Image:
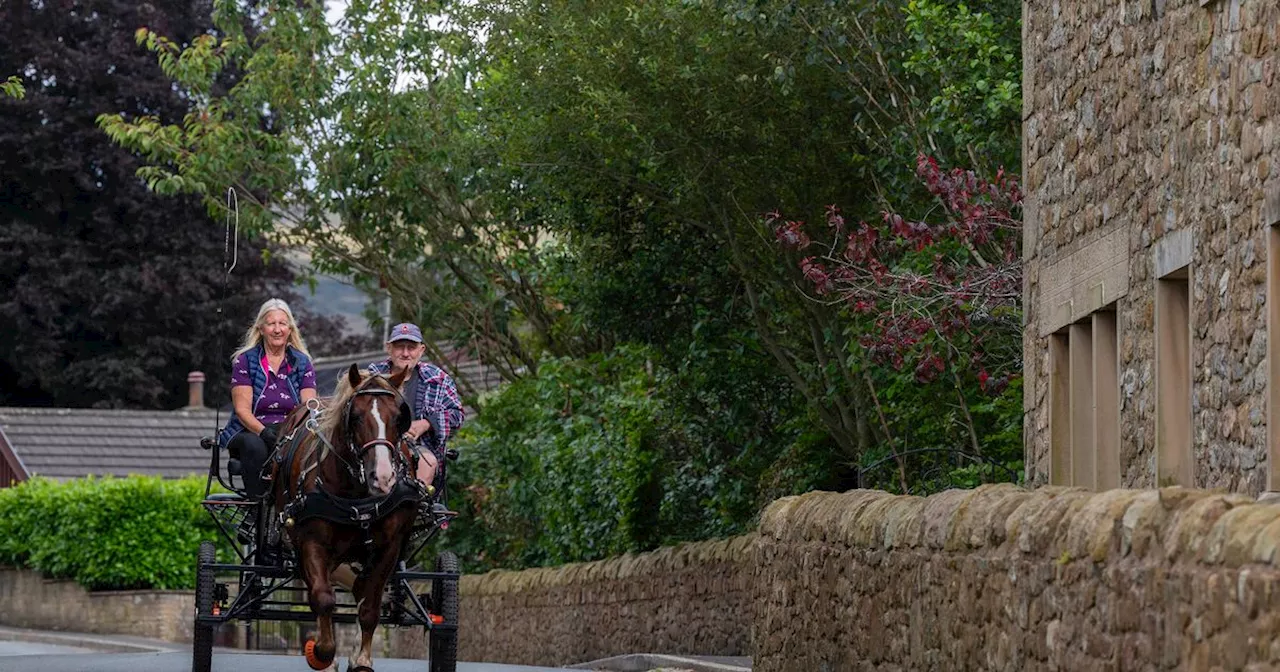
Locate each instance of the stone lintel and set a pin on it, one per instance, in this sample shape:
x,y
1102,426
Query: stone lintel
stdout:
x,y
1059,314
1173,252
1093,297
1084,280
1271,208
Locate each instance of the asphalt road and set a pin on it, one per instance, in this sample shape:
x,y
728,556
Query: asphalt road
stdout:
x,y
50,658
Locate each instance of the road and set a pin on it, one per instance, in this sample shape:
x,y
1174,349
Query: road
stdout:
x,y
35,649
30,657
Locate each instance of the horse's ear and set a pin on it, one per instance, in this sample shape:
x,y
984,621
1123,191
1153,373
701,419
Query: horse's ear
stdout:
x,y
353,376
404,419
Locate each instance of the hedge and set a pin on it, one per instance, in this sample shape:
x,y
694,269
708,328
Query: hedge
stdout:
x,y
107,533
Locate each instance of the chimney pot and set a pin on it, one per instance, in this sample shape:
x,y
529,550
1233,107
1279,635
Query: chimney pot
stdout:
x,y
195,387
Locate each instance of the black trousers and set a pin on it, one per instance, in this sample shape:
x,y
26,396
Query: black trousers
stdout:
x,y
252,453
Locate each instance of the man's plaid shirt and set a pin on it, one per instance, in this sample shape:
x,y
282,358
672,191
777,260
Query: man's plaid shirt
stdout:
x,y
437,401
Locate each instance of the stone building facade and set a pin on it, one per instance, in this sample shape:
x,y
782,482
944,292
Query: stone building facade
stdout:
x,y
1151,244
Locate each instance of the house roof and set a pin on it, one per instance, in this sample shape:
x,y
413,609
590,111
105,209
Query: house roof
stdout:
x,y
469,374
63,443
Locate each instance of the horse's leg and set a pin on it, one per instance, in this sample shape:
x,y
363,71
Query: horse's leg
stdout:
x,y
316,568
369,608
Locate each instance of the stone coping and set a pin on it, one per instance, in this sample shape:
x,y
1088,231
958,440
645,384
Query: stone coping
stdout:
x,y
99,593
1171,524
689,555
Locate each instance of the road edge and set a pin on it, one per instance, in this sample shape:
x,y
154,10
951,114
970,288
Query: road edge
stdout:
x,y
100,643
643,662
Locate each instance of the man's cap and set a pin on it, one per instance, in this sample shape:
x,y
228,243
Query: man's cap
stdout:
x,y
405,332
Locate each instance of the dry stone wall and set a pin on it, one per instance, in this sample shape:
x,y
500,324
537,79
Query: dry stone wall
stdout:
x,y
1148,119
693,598
996,578
689,599
1002,578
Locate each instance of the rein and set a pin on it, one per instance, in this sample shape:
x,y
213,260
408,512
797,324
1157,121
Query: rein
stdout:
x,y
324,504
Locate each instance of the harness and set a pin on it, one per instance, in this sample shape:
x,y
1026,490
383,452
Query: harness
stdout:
x,y
359,512
321,503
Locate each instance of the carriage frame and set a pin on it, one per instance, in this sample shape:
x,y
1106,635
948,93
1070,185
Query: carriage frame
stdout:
x,y
271,588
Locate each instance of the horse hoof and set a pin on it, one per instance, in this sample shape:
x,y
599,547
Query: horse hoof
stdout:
x,y
360,668
309,651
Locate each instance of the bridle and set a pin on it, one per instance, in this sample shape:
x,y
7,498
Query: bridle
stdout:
x,y
358,471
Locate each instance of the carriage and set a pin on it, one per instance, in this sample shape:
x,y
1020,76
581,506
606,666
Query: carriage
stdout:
x,y
257,585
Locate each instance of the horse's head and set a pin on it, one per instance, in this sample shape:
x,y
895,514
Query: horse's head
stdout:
x,y
376,416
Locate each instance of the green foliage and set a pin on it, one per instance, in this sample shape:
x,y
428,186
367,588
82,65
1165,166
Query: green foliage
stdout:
x,y
603,455
578,197
350,139
563,466
13,88
945,436
976,57
109,533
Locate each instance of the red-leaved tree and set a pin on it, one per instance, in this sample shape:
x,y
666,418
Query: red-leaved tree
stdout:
x,y
941,294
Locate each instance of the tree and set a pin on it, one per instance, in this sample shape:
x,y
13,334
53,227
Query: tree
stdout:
x,y
350,140
592,176
114,291
941,299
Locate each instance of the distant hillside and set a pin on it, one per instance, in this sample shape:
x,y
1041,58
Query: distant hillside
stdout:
x,y
334,296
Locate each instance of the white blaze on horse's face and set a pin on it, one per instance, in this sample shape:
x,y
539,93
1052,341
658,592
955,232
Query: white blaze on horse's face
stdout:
x,y
383,475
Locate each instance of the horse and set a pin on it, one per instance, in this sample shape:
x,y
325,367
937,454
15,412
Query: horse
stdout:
x,y
347,493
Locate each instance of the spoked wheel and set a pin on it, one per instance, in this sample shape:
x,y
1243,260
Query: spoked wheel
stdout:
x,y
443,648
202,633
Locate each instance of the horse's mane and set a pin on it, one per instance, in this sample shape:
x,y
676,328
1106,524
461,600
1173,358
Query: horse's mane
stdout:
x,y
342,393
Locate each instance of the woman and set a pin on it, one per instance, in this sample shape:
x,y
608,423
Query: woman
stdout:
x,y
271,374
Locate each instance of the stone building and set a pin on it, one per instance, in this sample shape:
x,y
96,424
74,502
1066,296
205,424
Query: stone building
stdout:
x,y
1151,243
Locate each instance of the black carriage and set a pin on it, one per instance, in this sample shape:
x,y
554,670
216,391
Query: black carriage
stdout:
x,y
261,586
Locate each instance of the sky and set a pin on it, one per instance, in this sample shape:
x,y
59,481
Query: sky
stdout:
x,y
334,9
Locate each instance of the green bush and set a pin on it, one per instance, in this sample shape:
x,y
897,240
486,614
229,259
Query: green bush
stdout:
x,y
106,533
610,453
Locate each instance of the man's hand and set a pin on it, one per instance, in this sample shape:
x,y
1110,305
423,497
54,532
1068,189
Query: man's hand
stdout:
x,y
417,428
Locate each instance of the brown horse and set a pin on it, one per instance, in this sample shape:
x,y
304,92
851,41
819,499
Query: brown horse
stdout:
x,y
348,494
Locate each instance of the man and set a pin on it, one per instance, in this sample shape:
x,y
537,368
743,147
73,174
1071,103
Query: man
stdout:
x,y
437,409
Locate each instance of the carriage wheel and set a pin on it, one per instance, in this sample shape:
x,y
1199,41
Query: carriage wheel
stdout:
x,y
202,633
444,602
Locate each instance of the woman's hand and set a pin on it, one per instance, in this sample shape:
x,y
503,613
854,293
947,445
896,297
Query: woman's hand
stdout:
x,y
269,435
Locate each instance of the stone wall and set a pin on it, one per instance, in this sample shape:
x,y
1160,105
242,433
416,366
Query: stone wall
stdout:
x,y
27,600
1001,578
996,578
689,599
1142,120
693,598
